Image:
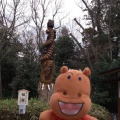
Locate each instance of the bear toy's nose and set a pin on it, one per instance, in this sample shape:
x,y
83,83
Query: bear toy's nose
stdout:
x,y
68,94
64,93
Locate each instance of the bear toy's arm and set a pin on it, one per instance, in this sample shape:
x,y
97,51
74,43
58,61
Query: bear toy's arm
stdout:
x,y
88,117
92,118
46,115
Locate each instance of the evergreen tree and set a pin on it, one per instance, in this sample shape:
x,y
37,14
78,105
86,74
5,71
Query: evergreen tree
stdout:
x,y
101,45
9,48
27,71
66,51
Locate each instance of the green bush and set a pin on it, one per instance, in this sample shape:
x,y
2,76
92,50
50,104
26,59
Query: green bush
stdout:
x,y
9,110
100,112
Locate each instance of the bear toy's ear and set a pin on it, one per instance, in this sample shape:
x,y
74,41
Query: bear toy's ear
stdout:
x,y
87,71
63,69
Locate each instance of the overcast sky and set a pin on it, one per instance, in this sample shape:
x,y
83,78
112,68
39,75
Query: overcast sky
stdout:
x,y
71,6
75,11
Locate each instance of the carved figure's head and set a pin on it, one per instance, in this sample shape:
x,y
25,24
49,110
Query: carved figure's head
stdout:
x,y
50,23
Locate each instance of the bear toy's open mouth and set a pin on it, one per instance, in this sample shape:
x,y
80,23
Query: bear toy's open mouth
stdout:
x,y
70,108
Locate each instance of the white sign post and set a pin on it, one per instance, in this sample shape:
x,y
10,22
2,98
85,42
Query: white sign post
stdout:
x,y
22,100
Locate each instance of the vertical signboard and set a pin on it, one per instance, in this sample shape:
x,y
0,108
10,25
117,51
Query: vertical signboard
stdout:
x,y
22,100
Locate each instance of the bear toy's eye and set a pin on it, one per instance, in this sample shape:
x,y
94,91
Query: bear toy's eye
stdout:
x,y
79,78
68,77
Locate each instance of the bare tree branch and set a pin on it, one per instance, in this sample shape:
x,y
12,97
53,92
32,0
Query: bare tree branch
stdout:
x,y
60,21
90,13
94,50
79,24
86,54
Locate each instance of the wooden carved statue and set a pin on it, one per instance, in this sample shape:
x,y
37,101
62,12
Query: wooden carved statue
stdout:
x,y
47,57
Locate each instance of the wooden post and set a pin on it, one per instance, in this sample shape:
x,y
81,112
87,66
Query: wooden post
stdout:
x,y
118,100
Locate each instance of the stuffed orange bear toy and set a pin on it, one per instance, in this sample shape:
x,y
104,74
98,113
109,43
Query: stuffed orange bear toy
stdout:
x,y
71,97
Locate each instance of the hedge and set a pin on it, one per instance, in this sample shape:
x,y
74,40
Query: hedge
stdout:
x,y
9,110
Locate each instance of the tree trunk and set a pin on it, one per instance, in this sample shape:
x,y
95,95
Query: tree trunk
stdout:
x,y
0,83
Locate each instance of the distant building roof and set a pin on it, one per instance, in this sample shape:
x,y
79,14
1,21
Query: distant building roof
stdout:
x,y
114,70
